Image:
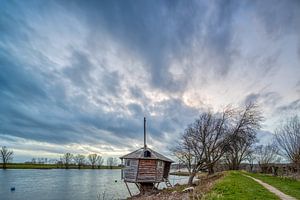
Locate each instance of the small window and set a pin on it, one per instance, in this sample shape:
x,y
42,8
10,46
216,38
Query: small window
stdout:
x,y
147,154
160,163
127,163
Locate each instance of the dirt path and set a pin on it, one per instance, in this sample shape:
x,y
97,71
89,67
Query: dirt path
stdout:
x,y
272,189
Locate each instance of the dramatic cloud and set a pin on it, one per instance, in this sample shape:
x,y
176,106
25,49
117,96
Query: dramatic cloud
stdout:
x,y
80,76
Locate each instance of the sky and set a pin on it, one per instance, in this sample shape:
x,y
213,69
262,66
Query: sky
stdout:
x,y
79,76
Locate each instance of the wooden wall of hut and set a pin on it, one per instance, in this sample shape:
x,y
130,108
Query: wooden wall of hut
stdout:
x,y
130,171
145,170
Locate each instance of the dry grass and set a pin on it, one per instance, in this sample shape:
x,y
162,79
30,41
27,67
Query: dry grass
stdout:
x,y
202,186
205,184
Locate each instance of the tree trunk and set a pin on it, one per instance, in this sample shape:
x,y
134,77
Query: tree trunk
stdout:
x,y
191,178
211,170
251,167
4,165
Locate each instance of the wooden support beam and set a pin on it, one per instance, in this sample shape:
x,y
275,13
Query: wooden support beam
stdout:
x,y
128,188
137,185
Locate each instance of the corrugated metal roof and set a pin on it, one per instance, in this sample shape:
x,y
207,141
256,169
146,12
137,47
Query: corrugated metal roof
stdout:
x,y
139,154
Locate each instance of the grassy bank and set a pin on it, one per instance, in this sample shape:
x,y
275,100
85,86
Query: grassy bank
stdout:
x,y
286,185
236,186
50,166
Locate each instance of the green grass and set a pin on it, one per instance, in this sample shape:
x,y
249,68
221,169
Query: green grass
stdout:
x,y
236,186
286,185
49,166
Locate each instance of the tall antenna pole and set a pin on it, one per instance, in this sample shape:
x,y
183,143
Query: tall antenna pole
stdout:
x,y
145,133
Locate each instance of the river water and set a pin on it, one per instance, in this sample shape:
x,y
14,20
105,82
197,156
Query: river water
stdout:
x,y
72,184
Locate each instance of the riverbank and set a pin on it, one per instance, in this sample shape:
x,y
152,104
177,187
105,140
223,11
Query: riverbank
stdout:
x,y
52,166
202,185
230,185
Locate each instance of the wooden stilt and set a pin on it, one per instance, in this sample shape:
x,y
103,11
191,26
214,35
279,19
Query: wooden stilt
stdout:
x,y
138,186
128,188
157,185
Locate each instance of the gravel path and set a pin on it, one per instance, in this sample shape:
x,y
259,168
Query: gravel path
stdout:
x,y
272,189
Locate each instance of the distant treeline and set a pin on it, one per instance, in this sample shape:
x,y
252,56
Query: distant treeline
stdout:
x,y
67,161
53,166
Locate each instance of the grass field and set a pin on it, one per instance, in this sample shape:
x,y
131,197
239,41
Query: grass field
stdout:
x,y
49,166
285,185
236,186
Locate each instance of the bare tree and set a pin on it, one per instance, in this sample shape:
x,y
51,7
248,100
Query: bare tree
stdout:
x,y
93,158
265,155
100,162
6,156
204,142
111,162
79,160
287,137
245,123
192,155
67,159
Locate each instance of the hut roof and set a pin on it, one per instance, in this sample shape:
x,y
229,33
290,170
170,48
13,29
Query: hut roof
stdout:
x,y
139,154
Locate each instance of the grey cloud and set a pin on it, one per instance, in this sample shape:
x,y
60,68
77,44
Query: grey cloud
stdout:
x,y
293,106
279,17
80,69
112,82
159,31
267,98
136,109
251,98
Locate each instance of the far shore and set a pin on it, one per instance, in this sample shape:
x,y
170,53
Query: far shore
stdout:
x,y
178,173
53,166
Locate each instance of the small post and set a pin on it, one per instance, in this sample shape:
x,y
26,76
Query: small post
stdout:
x,y
145,146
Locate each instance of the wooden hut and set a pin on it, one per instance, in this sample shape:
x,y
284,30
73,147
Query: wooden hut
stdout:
x,y
145,167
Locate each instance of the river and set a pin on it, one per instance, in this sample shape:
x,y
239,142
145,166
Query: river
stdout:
x,y
72,184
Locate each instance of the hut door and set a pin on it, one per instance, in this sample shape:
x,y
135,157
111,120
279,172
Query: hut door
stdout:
x,y
167,169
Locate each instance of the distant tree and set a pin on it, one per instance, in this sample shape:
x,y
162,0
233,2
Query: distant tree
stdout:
x,y
41,160
250,158
243,128
79,160
287,137
6,156
67,159
265,155
33,160
100,162
111,162
93,158
184,154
